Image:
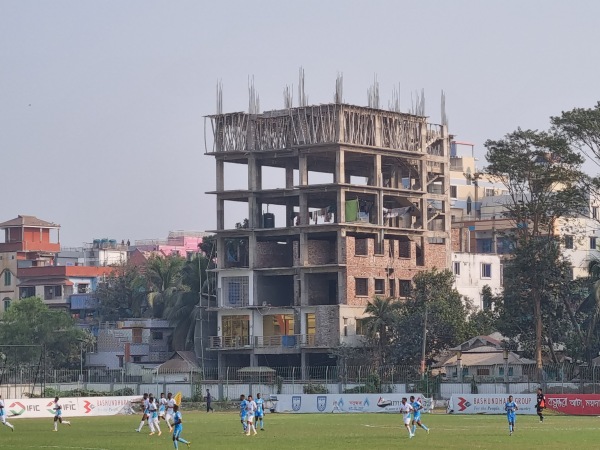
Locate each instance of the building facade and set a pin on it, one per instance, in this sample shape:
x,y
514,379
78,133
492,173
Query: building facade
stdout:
x,y
293,284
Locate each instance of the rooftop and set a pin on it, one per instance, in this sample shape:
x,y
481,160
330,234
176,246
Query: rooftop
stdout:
x,y
28,221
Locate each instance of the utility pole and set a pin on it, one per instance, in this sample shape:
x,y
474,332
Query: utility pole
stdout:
x,y
424,348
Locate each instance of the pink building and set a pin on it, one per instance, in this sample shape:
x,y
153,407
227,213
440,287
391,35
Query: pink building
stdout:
x,y
182,243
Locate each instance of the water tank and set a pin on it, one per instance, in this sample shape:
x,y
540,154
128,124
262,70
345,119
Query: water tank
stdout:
x,y
96,243
268,220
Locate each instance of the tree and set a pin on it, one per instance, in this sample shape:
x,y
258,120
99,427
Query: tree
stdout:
x,y
581,127
30,322
163,274
122,294
545,183
485,321
380,325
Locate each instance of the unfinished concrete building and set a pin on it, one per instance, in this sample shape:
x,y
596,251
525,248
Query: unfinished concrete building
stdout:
x,y
362,205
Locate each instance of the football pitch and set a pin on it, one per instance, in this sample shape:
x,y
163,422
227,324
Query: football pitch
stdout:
x,y
308,431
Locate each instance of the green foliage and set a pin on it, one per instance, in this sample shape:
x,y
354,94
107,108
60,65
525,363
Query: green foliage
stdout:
x,y
314,389
51,392
30,322
122,295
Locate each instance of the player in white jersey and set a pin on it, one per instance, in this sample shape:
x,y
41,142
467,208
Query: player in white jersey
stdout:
x,y
3,415
162,406
405,410
58,415
250,411
145,405
153,416
170,414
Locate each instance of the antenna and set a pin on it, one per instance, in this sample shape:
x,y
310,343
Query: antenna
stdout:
x,y
219,97
302,98
338,97
443,107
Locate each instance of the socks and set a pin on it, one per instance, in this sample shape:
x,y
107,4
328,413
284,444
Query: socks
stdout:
x,y
261,424
424,427
141,426
183,440
175,444
9,425
414,428
56,426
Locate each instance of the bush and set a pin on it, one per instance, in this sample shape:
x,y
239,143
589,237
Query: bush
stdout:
x,y
315,389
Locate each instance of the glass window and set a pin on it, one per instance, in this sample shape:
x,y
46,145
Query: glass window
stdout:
x,y
392,287
569,242
236,330
593,243
7,278
456,268
594,212
405,286
379,286
361,327
362,286
486,270
311,326
6,303
453,191
361,247
235,291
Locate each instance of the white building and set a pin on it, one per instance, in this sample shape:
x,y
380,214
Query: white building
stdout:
x,y
473,271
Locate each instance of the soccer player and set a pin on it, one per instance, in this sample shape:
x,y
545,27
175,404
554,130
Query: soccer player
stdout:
x,y
209,401
243,413
162,406
177,427
250,410
511,413
58,415
3,415
153,416
417,407
260,411
169,415
406,409
541,404
145,413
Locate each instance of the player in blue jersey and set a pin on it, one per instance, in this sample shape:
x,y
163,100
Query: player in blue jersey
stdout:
x,y
177,428
260,411
511,413
243,413
416,419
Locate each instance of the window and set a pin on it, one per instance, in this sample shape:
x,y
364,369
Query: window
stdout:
x,y
484,245
136,335
469,205
7,278
311,327
361,327
501,275
404,249
391,247
469,177
486,270
361,247
236,330
569,242
6,303
453,192
345,326
489,192
594,212
486,303
52,292
593,243
235,291
137,359
361,286
157,335
456,267
83,288
405,286
483,371
392,287
379,286
26,292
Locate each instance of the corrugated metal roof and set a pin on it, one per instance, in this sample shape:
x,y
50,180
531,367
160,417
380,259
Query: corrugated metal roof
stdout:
x,y
28,221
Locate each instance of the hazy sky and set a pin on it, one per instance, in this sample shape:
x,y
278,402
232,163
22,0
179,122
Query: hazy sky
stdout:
x,y
102,102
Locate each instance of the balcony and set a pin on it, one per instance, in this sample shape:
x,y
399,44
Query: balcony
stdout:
x,y
281,342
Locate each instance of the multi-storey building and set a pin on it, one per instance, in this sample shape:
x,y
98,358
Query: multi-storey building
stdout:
x,y
361,205
28,242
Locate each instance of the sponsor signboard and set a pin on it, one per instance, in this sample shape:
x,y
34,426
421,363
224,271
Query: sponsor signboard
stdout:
x,y
346,403
71,407
574,404
490,403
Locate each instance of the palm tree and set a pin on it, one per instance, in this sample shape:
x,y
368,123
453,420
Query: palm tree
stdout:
x,y
379,325
163,274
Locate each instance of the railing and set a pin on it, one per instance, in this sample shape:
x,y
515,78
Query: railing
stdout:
x,y
274,341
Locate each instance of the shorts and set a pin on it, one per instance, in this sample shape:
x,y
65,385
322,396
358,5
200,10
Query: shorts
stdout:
x,y
407,420
511,418
243,417
259,415
417,417
177,432
250,419
168,416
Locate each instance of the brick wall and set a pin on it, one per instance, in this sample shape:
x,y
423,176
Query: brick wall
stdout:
x,y
327,323
320,252
272,254
385,266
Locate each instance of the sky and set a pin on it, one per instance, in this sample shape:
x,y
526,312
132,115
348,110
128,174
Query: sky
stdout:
x,y
102,103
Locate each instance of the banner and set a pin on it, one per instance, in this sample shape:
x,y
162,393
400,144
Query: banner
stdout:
x,y
574,404
344,403
490,403
71,407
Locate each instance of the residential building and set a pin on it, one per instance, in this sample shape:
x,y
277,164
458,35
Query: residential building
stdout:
x,y
180,243
361,206
28,242
474,271
99,253
139,341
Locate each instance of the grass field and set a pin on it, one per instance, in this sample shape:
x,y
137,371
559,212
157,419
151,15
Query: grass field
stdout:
x,y
309,431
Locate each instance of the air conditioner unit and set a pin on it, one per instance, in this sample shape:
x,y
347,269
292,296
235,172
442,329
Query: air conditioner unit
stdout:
x,y
264,303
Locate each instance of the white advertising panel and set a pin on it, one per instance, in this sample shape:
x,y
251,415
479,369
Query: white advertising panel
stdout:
x,y
344,403
71,407
490,403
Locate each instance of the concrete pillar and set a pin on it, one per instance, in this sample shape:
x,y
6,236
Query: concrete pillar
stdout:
x,y
303,249
251,250
220,214
303,365
220,175
304,220
253,360
221,253
340,207
340,167
303,169
341,247
289,175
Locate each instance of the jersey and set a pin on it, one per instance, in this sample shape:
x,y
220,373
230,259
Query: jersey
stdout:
x,y
152,409
541,401
57,409
170,404
1,407
405,410
259,407
417,407
243,405
146,405
162,405
250,408
177,420
510,408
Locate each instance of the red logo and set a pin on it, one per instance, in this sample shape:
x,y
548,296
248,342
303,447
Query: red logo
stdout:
x,y
87,406
463,404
